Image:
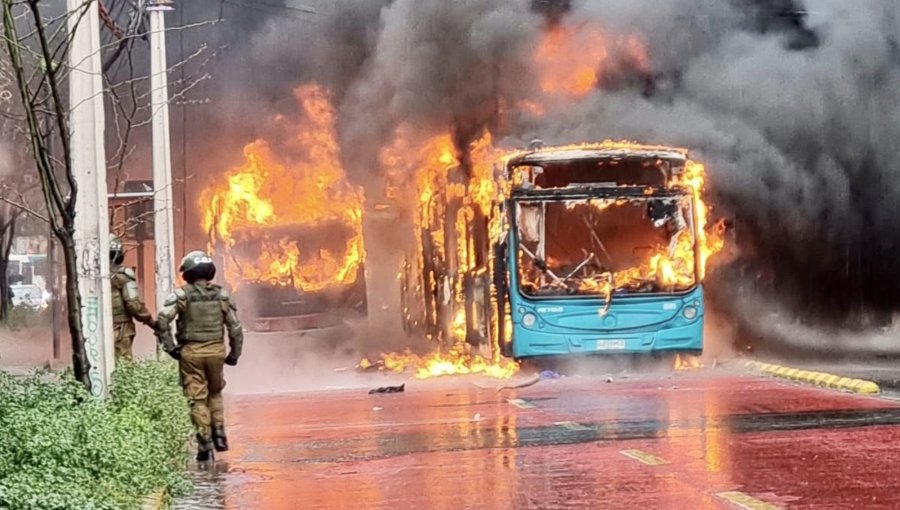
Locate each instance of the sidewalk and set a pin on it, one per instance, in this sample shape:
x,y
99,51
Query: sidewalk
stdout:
x,y
25,350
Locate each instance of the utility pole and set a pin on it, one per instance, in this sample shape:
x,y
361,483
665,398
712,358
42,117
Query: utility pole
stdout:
x,y
163,224
86,126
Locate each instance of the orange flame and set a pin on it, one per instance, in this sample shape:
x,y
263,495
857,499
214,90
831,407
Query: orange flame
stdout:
x,y
432,162
711,242
569,61
459,360
687,362
284,208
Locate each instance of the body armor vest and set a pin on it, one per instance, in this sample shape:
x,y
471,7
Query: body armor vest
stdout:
x,y
120,314
202,320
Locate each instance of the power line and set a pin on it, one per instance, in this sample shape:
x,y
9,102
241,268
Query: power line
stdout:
x,y
270,7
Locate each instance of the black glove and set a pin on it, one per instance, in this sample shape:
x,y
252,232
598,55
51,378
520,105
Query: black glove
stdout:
x,y
231,360
175,353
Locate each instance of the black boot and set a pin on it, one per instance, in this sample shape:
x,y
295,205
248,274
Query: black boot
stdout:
x,y
205,450
219,440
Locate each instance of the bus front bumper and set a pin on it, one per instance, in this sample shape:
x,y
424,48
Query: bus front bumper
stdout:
x,y
679,339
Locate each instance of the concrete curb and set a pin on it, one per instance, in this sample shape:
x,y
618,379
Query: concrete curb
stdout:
x,y
816,378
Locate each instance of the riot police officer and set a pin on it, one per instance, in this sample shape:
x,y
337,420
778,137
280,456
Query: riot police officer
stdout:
x,y
202,311
127,305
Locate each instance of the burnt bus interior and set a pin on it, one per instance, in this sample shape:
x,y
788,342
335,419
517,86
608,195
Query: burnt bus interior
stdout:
x,y
563,245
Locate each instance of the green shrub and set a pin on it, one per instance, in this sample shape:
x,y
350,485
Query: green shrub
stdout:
x,y
62,449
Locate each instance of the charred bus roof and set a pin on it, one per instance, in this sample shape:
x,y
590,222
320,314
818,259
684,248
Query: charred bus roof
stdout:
x,y
601,151
604,164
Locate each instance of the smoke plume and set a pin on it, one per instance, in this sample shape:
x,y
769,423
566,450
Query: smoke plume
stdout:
x,y
792,105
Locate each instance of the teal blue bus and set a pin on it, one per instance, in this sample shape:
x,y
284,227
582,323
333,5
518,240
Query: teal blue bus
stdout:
x,y
591,249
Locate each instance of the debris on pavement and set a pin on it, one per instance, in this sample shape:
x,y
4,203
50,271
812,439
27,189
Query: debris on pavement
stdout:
x,y
546,374
520,386
389,389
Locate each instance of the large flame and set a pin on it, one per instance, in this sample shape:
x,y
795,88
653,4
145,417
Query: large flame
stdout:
x,y
569,61
431,162
290,221
573,60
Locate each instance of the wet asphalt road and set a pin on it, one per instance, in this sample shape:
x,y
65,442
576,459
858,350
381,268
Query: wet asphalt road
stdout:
x,y
709,438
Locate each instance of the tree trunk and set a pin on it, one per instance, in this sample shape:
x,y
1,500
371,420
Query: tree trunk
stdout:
x,y
80,363
6,241
5,301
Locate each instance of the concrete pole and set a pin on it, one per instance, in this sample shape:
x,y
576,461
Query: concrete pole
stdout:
x,y
86,125
163,224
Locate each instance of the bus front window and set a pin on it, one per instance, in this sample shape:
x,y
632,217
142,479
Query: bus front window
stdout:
x,y
606,247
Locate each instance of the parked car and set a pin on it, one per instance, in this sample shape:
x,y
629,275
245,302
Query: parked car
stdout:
x,y
30,296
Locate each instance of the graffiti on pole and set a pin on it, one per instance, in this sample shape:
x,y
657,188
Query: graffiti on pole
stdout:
x,y
90,264
93,345
90,270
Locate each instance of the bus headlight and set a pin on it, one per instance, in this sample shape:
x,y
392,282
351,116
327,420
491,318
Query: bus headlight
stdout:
x,y
529,319
690,313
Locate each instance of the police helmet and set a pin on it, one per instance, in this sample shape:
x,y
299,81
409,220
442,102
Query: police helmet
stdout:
x,y
116,251
197,265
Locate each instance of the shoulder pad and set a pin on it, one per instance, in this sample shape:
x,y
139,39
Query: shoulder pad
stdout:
x,y
175,297
224,293
130,273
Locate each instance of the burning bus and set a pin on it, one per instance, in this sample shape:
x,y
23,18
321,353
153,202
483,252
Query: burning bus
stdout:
x,y
286,227
585,249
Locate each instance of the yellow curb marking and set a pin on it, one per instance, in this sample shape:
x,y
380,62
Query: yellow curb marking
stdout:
x,y
521,404
747,502
643,457
817,378
571,425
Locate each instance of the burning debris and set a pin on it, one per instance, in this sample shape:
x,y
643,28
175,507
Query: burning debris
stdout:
x,y
459,360
687,362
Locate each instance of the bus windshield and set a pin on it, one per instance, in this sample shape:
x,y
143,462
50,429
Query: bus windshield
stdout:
x,y
606,247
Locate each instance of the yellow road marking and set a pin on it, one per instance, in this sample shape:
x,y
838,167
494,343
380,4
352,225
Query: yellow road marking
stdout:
x,y
643,457
747,502
520,403
571,425
817,378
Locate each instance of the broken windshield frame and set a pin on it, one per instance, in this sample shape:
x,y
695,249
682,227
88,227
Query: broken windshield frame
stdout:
x,y
626,244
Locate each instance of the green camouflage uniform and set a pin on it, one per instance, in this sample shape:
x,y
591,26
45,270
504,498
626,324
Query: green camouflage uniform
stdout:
x,y
126,308
203,311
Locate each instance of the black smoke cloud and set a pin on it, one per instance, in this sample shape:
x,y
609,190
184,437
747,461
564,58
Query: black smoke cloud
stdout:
x,y
439,65
794,115
793,105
